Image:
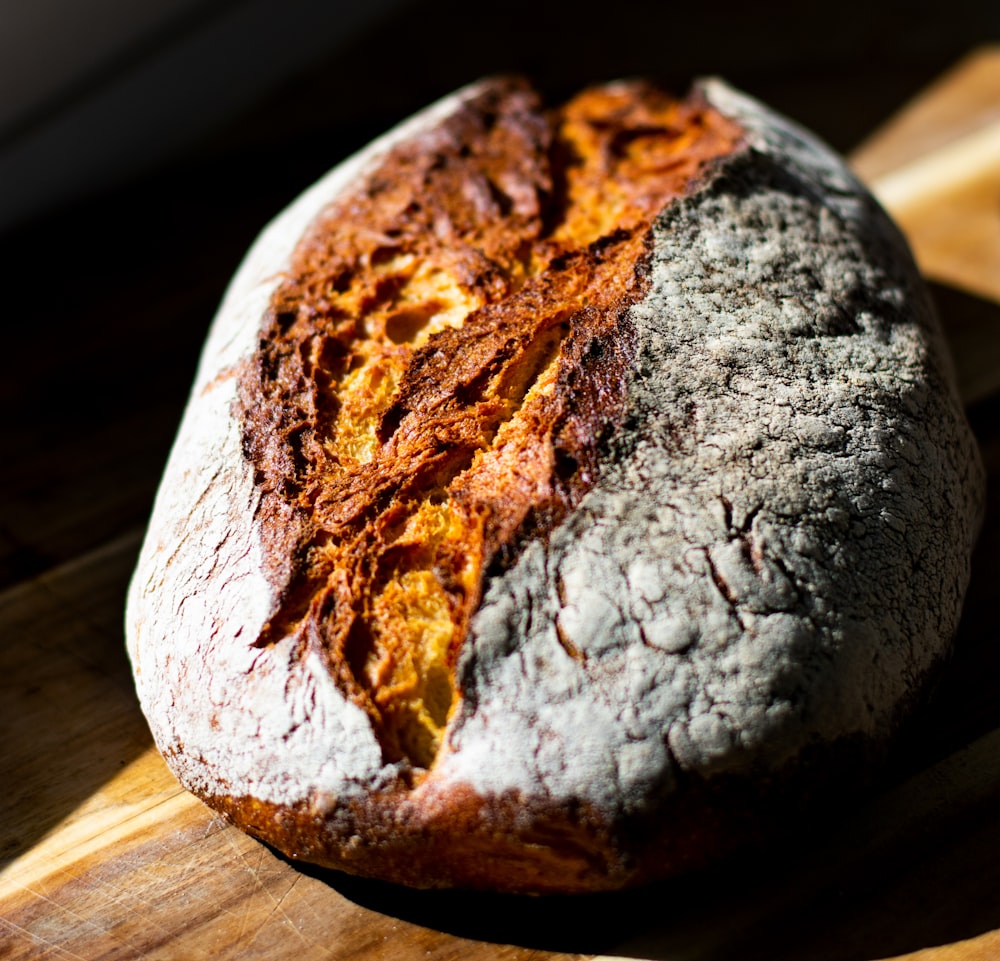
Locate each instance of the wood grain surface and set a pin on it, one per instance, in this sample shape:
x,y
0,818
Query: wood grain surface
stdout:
x,y
103,856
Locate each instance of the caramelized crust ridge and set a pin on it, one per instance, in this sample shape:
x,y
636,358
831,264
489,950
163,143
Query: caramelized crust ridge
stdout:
x,y
439,371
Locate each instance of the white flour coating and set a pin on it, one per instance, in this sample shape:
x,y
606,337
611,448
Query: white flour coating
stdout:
x,y
771,560
199,597
781,556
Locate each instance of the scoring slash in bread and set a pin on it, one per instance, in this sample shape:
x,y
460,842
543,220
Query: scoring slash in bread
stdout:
x,y
561,492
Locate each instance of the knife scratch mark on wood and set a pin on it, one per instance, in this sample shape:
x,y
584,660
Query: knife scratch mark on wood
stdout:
x,y
38,939
214,825
17,929
278,909
248,900
187,870
276,902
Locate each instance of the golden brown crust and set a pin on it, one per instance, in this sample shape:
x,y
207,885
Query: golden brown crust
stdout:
x,y
514,844
436,377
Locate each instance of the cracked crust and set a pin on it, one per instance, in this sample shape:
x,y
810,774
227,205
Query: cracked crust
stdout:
x,y
556,539
438,371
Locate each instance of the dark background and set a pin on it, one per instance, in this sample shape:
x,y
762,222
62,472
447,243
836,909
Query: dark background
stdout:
x,y
111,277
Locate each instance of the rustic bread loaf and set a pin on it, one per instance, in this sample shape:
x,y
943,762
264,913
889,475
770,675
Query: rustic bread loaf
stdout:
x,y
560,491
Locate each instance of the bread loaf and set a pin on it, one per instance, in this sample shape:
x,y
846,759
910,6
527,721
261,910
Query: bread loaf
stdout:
x,y
562,493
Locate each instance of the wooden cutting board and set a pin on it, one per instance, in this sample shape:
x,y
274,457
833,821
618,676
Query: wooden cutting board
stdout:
x,y
104,856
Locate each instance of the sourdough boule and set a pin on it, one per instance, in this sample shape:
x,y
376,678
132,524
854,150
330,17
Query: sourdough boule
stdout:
x,y
562,493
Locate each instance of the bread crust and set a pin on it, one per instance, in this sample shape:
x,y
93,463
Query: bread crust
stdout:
x,y
681,505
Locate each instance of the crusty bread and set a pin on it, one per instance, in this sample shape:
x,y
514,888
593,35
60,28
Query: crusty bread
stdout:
x,y
559,491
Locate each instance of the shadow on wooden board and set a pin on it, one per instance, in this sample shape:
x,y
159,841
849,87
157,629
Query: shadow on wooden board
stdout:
x,y
852,890
913,866
972,327
68,713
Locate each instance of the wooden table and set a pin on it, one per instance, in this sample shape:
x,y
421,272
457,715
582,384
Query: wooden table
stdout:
x,y
102,855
